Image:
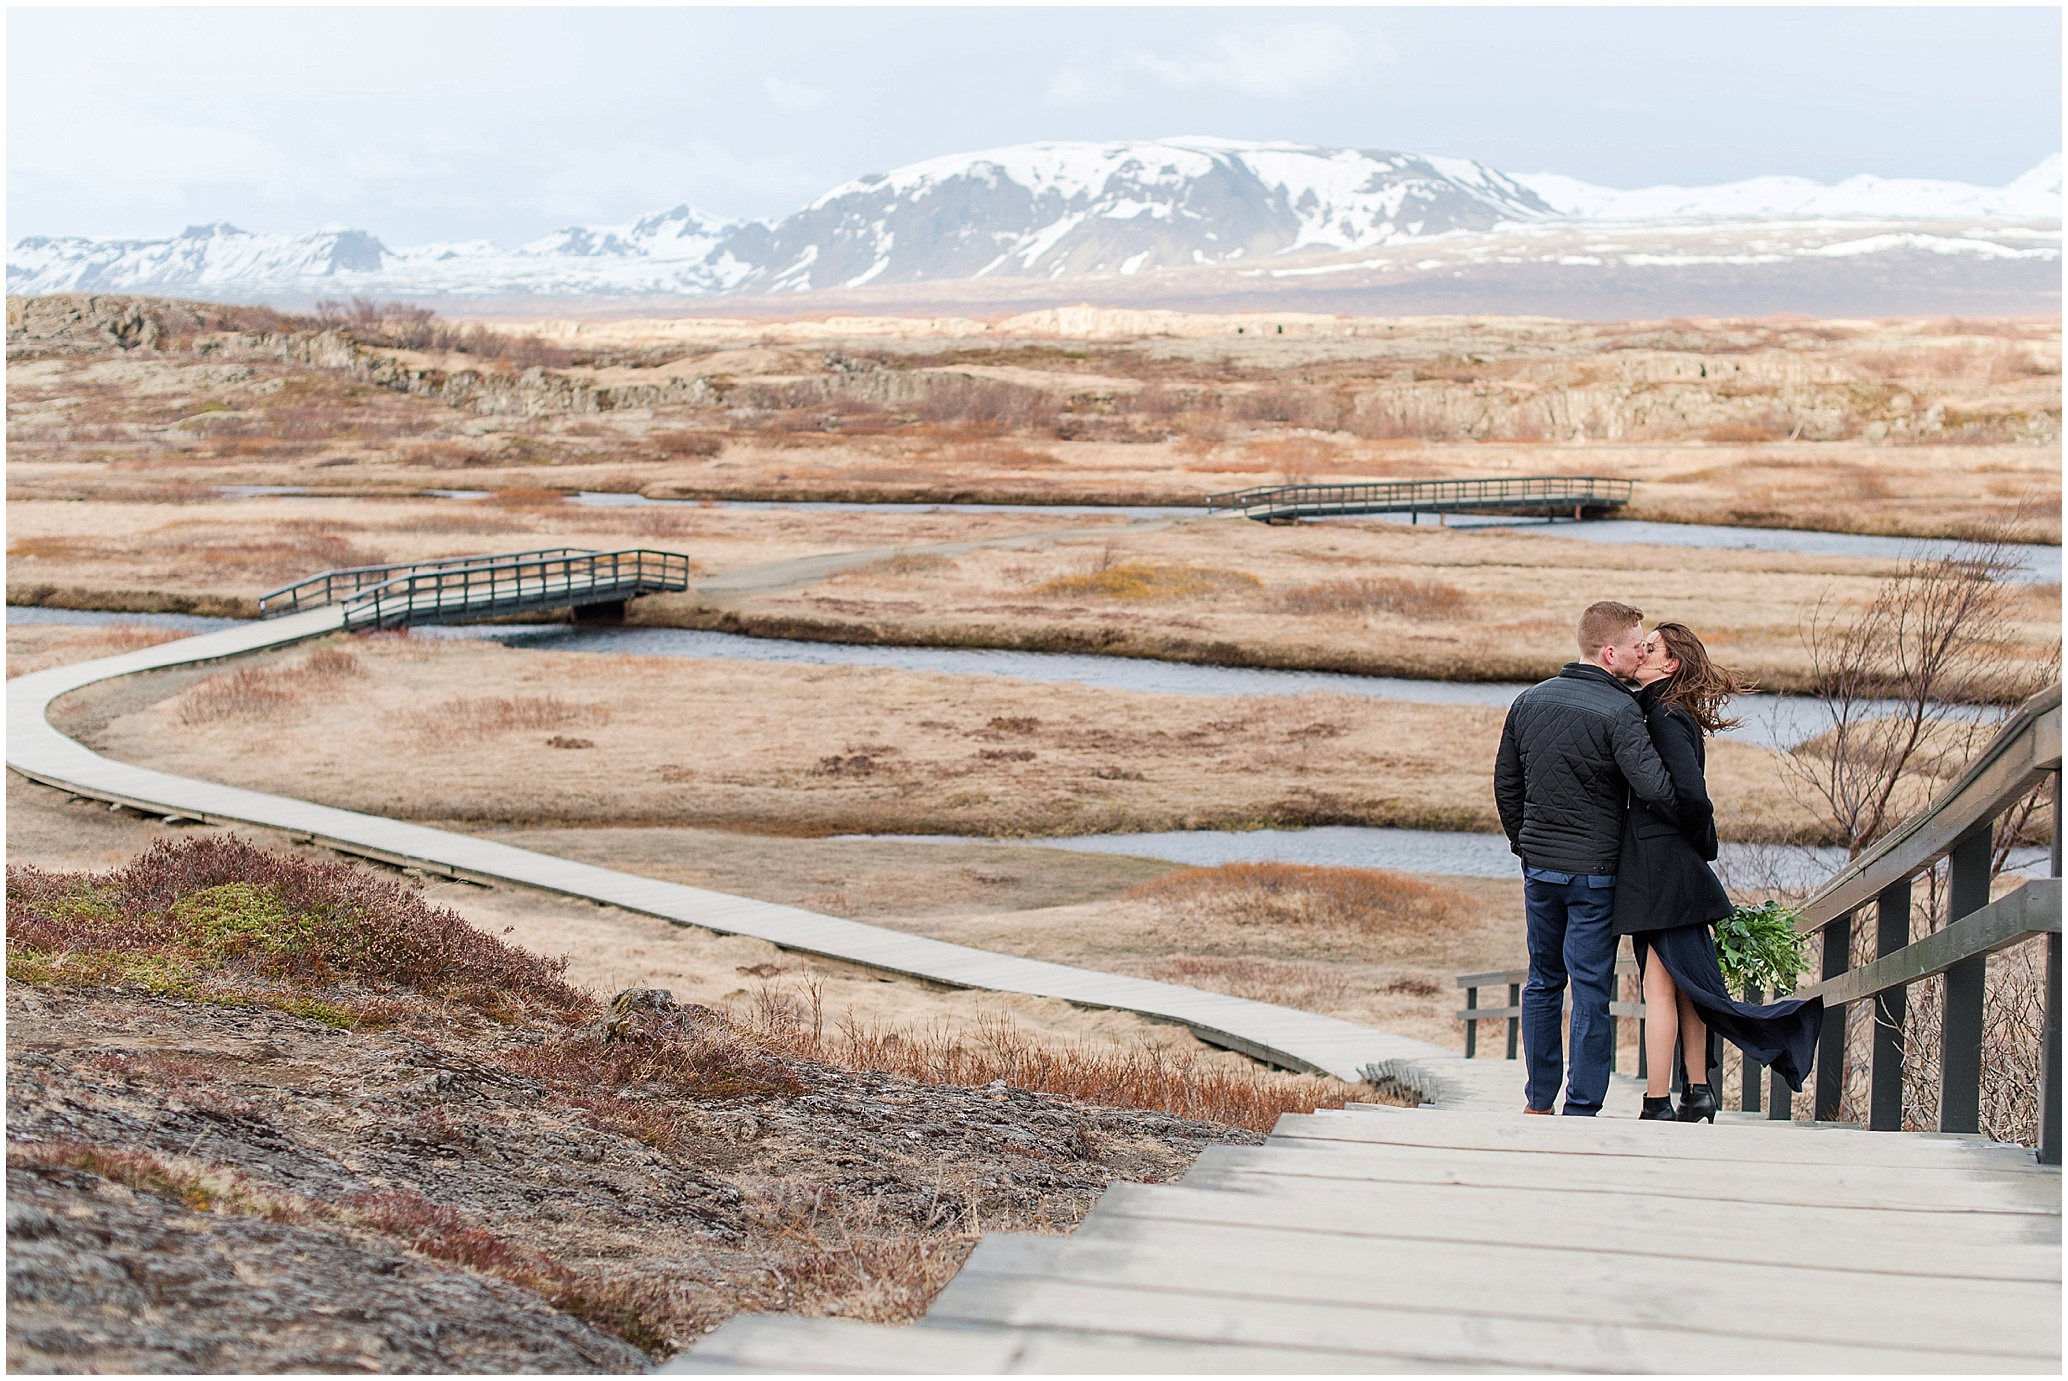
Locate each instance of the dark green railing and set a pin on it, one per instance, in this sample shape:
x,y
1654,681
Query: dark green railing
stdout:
x,y
465,588
1545,495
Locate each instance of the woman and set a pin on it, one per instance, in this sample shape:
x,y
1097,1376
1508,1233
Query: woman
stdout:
x,y
1667,897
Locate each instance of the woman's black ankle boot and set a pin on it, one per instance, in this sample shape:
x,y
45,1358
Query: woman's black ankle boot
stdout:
x,y
1657,1109
1698,1103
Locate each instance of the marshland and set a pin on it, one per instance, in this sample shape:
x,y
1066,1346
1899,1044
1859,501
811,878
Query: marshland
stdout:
x,y
140,479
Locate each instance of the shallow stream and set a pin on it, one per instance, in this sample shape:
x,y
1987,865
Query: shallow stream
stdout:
x,y
1772,721
2035,564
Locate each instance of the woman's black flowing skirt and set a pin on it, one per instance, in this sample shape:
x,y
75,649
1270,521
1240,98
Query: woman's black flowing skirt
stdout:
x,y
1779,1035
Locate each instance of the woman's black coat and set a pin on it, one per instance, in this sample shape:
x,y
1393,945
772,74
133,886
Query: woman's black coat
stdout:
x,y
1663,877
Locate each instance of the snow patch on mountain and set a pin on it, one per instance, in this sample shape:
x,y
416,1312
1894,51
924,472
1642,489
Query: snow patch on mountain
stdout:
x,y
2035,195
1050,211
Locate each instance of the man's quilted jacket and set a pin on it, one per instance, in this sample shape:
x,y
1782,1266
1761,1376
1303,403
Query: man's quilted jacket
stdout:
x,y
1574,750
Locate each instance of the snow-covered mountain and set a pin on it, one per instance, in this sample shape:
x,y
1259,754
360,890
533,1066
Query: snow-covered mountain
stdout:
x,y
1034,211
2035,195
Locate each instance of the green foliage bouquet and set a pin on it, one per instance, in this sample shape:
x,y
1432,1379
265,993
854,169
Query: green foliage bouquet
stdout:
x,y
1759,947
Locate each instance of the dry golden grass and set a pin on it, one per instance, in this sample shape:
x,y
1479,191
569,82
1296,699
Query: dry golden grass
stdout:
x,y
1377,599
258,693
999,1051
1924,427
1136,581
492,716
40,646
1283,896
1413,599
820,750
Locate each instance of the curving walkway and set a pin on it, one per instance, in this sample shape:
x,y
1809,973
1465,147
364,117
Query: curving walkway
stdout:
x,y
1281,1036
1360,1241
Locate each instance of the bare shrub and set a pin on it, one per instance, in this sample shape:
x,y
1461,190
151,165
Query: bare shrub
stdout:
x,y
403,326
700,444
1302,896
217,904
1892,682
485,716
1298,458
267,692
962,399
1413,599
1400,417
1291,405
1144,580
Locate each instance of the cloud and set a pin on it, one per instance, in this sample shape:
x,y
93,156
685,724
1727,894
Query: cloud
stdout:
x,y
792,95
1275,62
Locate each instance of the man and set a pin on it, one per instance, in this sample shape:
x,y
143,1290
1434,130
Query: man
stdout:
x,y
1575,748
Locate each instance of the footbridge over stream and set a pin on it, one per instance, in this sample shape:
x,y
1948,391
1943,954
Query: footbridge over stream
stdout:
x,y
1457,1235
1546,496
460,589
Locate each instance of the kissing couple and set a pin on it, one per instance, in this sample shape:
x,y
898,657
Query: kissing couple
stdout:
x,y
1603,794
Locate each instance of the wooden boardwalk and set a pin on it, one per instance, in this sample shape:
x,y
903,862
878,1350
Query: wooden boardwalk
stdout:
x,y
1387,1240
1283,1036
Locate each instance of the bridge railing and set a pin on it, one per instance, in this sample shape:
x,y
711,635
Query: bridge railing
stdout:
x,y
329,587
1512,979
510,584
1959,827
1531,493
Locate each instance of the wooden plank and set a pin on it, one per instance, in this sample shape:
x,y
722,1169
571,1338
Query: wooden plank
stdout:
x,y
782,1343
787,1344
1670,1141
1978,1246
1548,1284
1922,1191
1601,1340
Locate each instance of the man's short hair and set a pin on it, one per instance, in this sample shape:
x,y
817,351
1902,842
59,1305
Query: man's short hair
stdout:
x,y
1602,622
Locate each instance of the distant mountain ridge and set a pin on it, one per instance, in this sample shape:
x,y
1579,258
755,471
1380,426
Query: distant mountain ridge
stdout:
x,y
1056,211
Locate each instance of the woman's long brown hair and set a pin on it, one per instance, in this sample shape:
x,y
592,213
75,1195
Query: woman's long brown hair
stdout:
x,y
1699,686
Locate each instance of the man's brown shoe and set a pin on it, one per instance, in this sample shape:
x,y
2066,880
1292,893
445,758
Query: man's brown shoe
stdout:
x,y
1538,1112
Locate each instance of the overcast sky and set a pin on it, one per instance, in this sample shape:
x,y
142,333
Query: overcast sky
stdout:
x,y
501,124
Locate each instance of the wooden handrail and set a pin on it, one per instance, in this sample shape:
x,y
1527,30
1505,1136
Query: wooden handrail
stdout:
x,y
1960,827
2031,911
2023,752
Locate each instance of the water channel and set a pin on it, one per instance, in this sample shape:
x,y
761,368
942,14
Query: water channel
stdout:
x,y
1771,721
2034,564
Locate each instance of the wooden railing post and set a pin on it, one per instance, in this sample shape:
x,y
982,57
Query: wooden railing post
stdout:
x,y
1830,1086
1514,1023
2050,1031
1885,1062
1471,1023
1960,1030
1748,1082
2050,1059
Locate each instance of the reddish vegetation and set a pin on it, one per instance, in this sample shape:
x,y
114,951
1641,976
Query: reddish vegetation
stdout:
x,y
221,903
1001,1052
